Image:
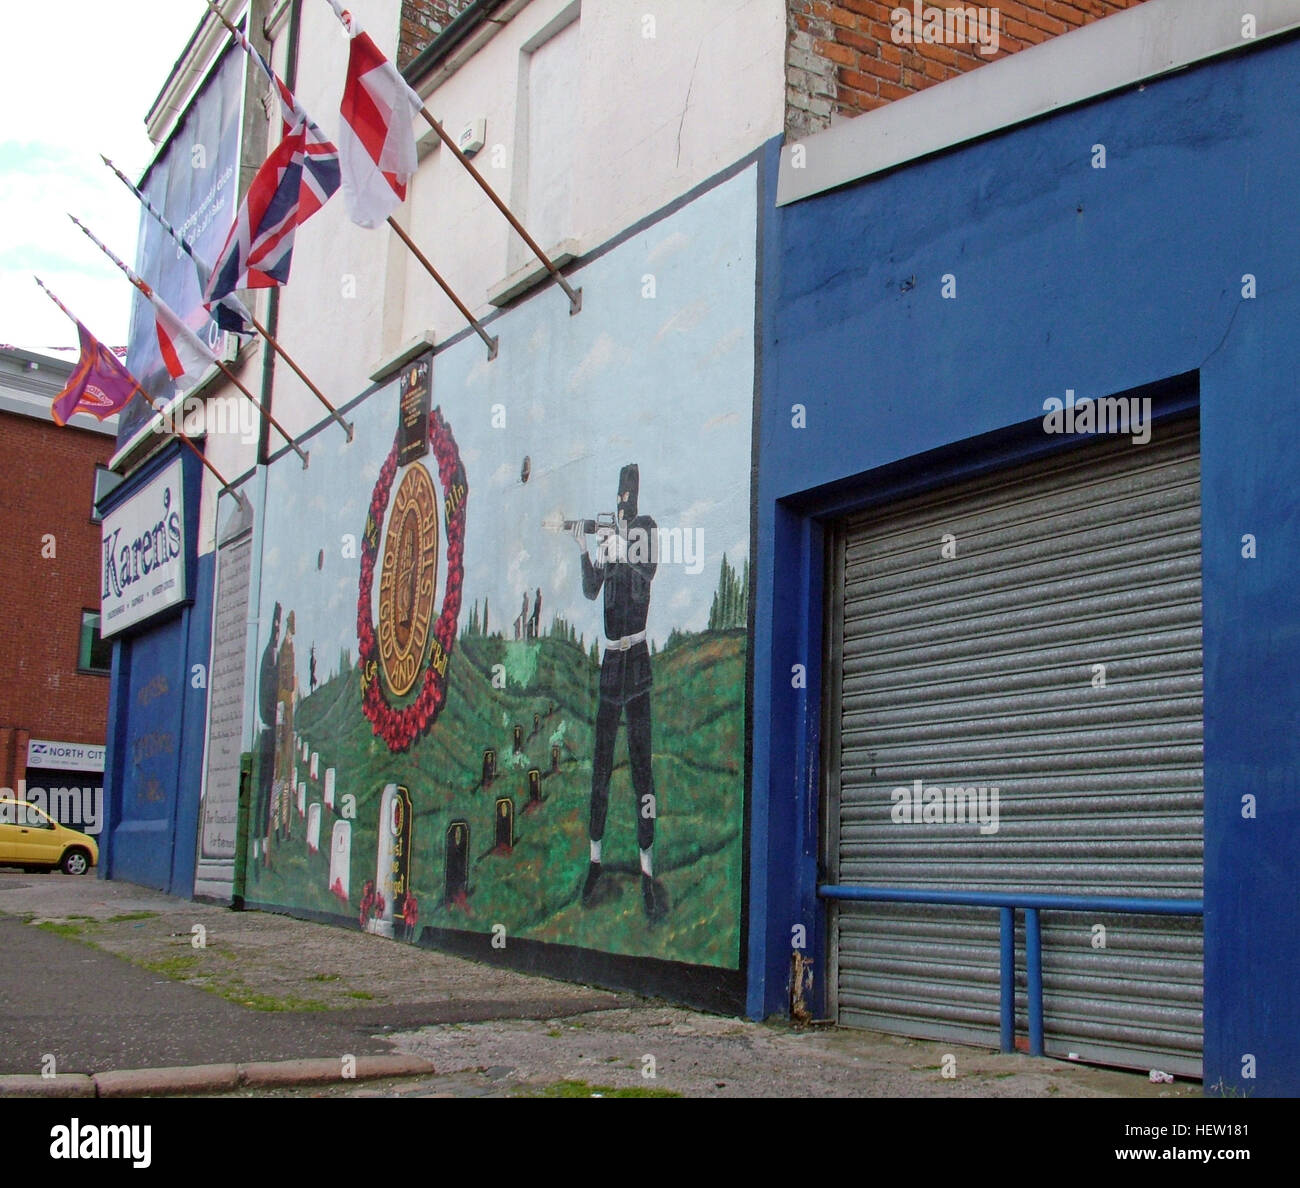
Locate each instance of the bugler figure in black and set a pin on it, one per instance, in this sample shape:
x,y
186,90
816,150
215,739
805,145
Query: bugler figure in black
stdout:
x,y
624,568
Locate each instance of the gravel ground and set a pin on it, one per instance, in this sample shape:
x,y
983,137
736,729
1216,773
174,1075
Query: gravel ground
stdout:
x,y
491,1032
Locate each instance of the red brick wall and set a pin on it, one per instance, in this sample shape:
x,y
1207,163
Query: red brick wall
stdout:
x,y
422,21
841,58
46,479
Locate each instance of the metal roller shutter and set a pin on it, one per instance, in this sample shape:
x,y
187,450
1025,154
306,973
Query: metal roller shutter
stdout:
x,y
979,671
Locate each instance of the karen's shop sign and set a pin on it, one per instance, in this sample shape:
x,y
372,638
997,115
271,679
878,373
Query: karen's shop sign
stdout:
x,y
143,570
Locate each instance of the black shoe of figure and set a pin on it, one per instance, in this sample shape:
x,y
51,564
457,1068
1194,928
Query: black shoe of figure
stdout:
x,y
589,887
655,897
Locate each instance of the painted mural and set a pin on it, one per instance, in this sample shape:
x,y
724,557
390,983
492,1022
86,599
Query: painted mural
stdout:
x,y
500,674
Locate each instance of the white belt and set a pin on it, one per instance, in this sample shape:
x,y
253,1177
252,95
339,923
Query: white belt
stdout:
x,y
622,645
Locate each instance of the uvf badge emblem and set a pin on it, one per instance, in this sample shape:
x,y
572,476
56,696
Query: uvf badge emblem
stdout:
x,y
408,581
403,652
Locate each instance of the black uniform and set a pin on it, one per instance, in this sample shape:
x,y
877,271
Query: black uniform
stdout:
x,y
625,678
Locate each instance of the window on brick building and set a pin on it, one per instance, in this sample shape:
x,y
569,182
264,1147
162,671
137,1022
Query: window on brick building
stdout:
x,y
95,655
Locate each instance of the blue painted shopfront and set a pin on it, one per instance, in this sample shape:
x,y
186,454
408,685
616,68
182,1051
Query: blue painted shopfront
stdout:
x,y
1066,276
156,717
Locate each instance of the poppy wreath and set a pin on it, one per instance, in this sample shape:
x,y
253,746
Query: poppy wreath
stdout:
x,y
399,728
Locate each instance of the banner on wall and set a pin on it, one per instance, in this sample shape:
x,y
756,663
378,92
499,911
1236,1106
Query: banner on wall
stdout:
x,y
143,554
193,183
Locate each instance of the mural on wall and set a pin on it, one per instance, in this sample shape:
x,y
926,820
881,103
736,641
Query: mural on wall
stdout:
x,y
501,672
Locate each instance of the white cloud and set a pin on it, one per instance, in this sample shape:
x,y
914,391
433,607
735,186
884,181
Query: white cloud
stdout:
x,y
54,129
593,363
684,320
723,420
666,247
728,342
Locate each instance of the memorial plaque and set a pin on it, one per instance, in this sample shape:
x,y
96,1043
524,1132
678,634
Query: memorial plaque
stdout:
x,y
226,703
457,861
414,399
505,824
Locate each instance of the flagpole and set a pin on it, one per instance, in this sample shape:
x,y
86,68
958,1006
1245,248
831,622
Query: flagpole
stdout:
x,y
135,384
262,330
230,375
489,340
574,295
492,341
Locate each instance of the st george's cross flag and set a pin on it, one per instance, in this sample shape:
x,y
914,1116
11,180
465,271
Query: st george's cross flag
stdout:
x,y
99,384
377,138
184,354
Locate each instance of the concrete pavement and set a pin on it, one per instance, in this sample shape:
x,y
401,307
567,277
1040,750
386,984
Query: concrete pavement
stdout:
x,y
108,978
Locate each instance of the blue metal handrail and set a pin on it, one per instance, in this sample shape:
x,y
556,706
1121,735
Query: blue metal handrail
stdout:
x,y
1031,904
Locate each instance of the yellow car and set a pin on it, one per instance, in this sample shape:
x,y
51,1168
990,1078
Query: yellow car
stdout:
x,y
31,839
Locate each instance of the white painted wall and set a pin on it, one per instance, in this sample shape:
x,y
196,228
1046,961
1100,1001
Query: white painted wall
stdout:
x,y
656,110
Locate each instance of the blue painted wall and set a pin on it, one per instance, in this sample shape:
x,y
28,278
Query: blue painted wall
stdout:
x,y
1100,280
156,716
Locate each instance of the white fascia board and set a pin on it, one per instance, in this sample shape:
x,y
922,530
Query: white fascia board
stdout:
x,y
1117,51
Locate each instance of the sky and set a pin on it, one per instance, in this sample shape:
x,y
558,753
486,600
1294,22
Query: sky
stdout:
x,y
66,99
682,366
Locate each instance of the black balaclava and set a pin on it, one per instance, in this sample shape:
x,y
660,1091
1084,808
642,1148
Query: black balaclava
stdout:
x,y
629,483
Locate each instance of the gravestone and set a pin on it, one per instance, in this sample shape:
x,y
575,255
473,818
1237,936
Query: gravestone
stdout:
x,y
313,828
457,861
505,823
389,827
329,787
340,876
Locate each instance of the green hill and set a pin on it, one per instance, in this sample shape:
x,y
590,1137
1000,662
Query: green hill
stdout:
x,y
698,763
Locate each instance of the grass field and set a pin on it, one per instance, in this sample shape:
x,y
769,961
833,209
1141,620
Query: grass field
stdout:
x,y
550,691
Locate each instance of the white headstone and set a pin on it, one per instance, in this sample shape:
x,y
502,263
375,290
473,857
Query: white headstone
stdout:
x,y
315,766
293,776
340,879
313,828
302,801
382,924
329,787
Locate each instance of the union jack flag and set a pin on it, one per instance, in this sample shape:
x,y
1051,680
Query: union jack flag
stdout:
x,y
259,249
320,175
295,181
